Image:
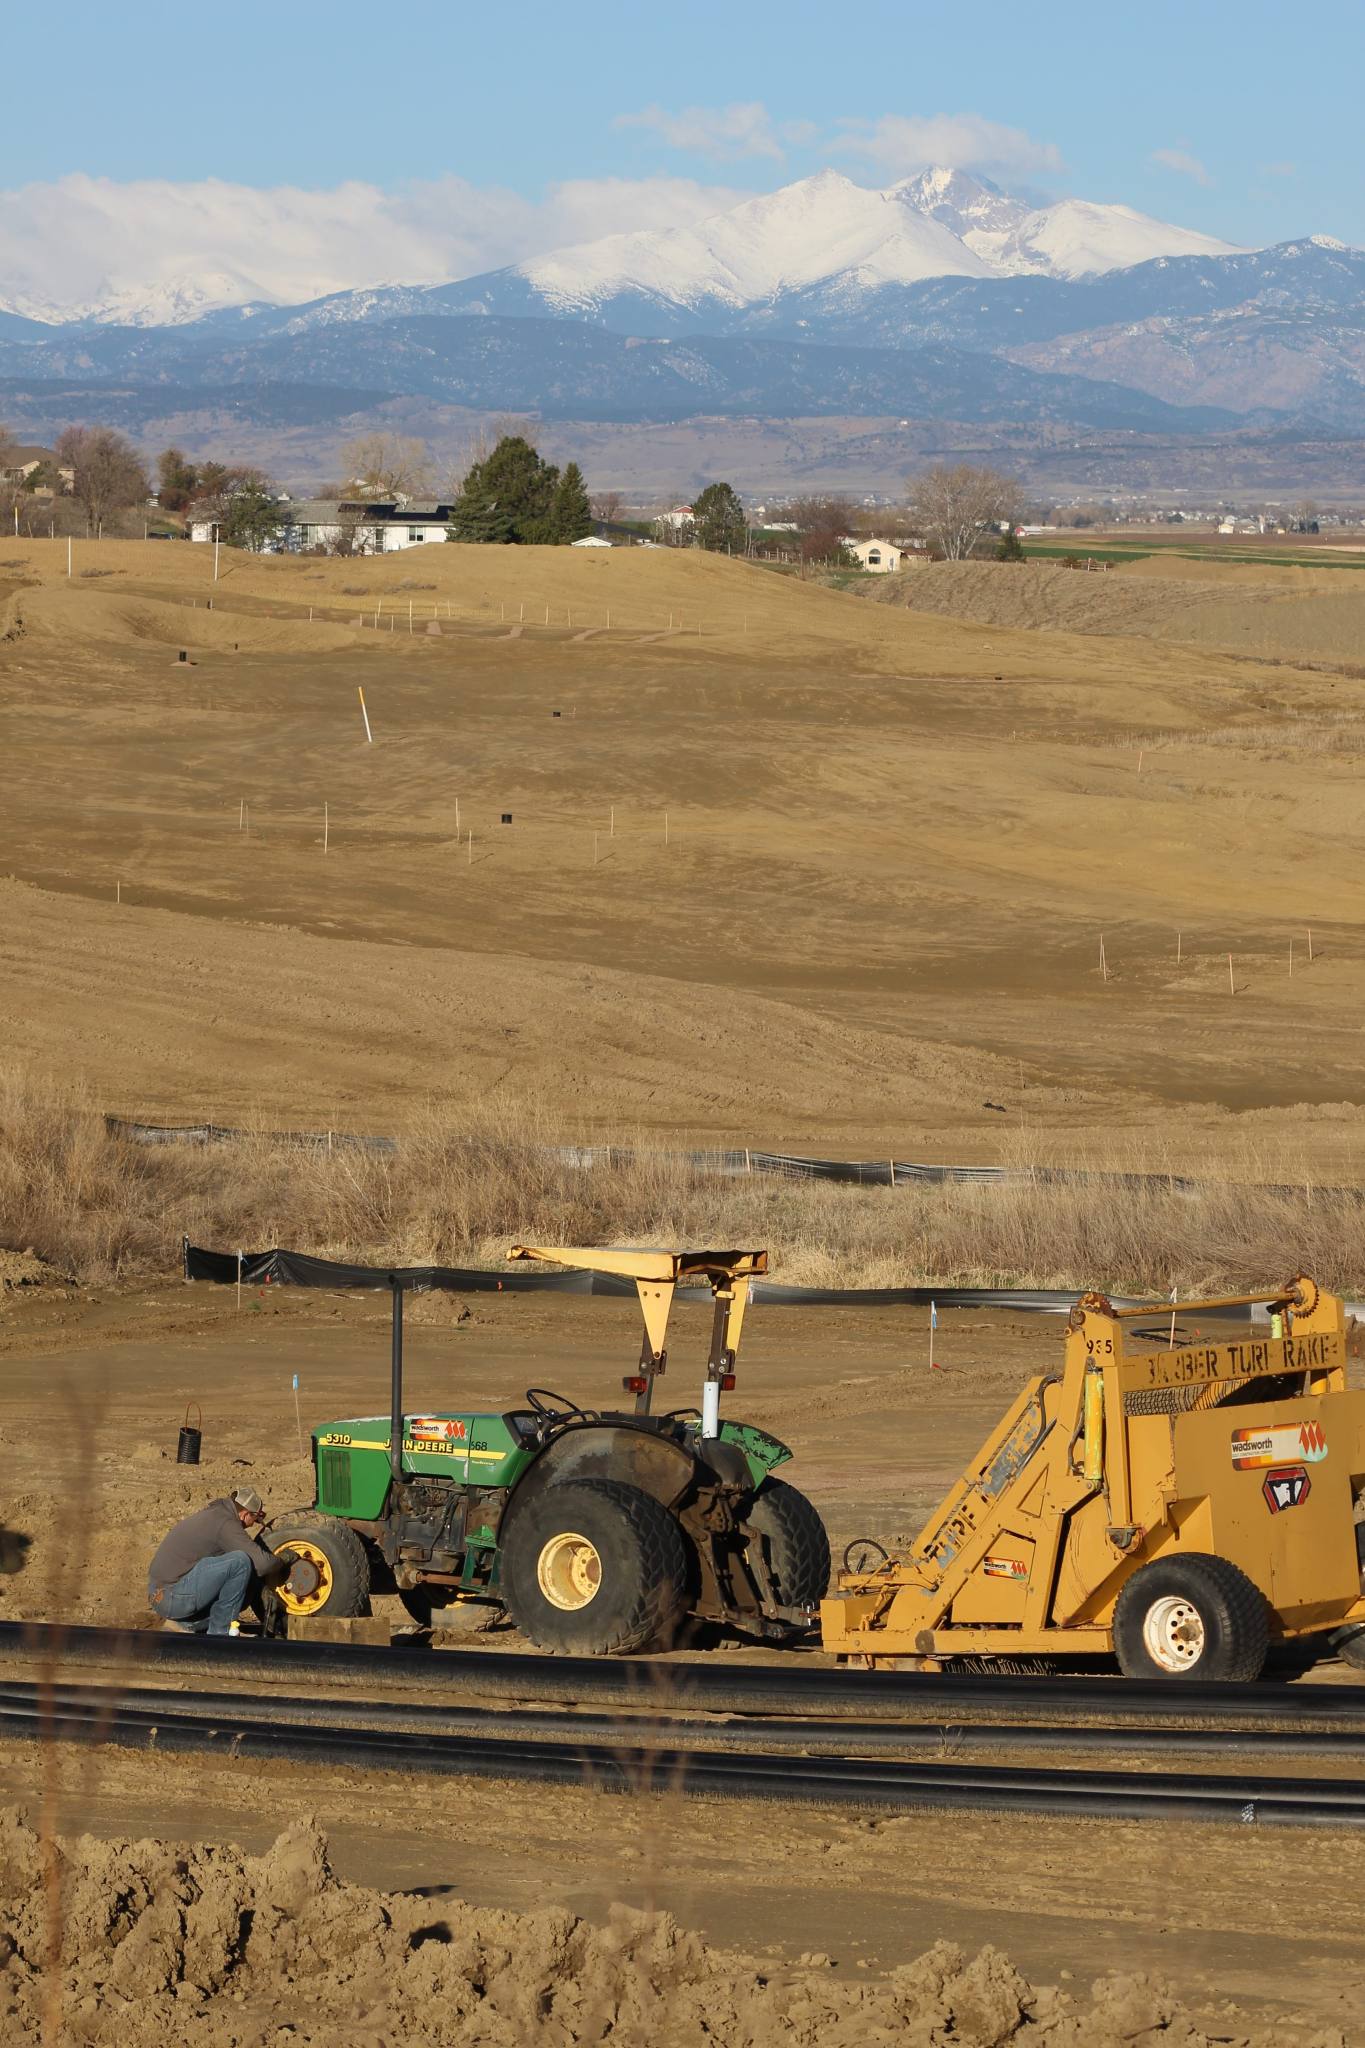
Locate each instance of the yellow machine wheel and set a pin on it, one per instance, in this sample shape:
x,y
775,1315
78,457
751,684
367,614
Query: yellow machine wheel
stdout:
x,y
1191,1616
330,1567
314,1586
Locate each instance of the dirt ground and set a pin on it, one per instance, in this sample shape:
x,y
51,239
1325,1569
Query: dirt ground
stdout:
x,y
787,869
1275,612
213,1947
96,1387
824,874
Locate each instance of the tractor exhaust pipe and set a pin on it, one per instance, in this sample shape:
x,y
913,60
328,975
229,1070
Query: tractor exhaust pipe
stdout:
x,y
396,1384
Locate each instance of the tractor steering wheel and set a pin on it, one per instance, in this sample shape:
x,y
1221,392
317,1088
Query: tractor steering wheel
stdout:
x,y
551,1407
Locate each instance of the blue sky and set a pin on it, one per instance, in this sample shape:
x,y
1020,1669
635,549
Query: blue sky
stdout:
x,y
508,129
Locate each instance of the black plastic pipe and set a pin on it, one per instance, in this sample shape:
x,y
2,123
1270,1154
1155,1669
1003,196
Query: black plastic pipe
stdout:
x,y
803,1735
722,1686
823,1781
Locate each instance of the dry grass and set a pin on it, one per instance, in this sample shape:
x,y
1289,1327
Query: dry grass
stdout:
x,y
461,1188
1323,733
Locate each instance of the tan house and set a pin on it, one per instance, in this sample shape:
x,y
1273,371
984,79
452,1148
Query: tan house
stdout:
x,y
880,557
24,462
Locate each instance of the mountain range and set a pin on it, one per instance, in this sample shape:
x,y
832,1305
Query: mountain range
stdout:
x,y
941,296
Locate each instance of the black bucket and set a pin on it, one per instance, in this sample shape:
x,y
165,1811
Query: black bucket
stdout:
x,y
191,1439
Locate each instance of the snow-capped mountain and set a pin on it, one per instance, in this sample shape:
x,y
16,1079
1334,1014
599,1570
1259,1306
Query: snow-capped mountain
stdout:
x,y
168,302
834,239
941,296
821,227
1073,238
824,234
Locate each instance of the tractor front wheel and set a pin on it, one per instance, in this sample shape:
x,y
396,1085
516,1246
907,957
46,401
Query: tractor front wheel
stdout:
x,y
330,1566
594,1568
1191,1616
795,1545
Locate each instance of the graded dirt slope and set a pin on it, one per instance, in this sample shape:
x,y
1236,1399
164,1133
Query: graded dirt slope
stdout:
x,y
1273,613
823,873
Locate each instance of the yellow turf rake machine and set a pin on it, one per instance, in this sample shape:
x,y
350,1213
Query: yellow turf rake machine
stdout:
x,y
1175,1503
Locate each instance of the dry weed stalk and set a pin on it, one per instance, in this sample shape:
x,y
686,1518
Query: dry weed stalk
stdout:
x,y
464,1184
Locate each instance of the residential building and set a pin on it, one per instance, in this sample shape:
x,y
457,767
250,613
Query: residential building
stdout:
x,y
24,464
362,526
881,557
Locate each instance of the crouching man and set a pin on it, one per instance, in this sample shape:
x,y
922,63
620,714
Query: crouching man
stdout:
x,y
209,1565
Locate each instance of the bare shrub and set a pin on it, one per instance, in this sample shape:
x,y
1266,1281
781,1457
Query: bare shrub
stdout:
x,y
465,1184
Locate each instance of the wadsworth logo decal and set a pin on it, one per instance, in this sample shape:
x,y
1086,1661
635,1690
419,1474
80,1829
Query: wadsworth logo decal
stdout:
x,y
1252,1448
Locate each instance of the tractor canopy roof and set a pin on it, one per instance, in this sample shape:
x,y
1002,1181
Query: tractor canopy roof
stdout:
x,y
634,1262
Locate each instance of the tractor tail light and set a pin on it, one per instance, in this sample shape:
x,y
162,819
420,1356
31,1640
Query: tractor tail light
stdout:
x,y
635,1383
727,1381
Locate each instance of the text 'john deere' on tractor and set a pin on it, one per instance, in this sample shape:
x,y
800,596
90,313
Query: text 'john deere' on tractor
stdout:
x,y
599,1531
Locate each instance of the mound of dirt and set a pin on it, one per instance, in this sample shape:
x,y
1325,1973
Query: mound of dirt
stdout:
x,y
157,1942
24,1269
1267,613
1043,596
109,617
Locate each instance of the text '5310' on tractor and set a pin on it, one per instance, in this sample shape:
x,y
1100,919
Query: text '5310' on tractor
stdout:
x,y
598,1530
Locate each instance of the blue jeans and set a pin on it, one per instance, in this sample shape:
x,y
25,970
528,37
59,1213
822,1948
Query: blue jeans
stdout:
x,y
210,1595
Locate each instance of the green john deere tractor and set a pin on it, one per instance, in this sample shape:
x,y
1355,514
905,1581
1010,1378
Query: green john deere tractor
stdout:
x,y
598,1530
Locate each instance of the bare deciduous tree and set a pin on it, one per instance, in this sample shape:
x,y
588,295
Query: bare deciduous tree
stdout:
x,y
954,506
607,505
821,524
397,463
478,447
107,476
353,534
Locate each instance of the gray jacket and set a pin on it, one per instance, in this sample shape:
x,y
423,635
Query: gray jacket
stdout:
x,y
211,1532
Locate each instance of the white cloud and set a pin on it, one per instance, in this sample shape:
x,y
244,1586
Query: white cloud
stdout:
x,y
894,142
744,128
899,143
86,242
1181,161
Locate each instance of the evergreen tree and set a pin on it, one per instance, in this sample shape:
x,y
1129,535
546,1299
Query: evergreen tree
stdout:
x,y
719,519
176,480
507,498
572,512
251,516
1011,548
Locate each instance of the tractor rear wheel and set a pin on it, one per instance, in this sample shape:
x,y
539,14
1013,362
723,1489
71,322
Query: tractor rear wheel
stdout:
x,y
1191,1616
594,1568
331,1567
795,1545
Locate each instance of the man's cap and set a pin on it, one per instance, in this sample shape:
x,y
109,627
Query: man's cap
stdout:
x,y
248,1501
